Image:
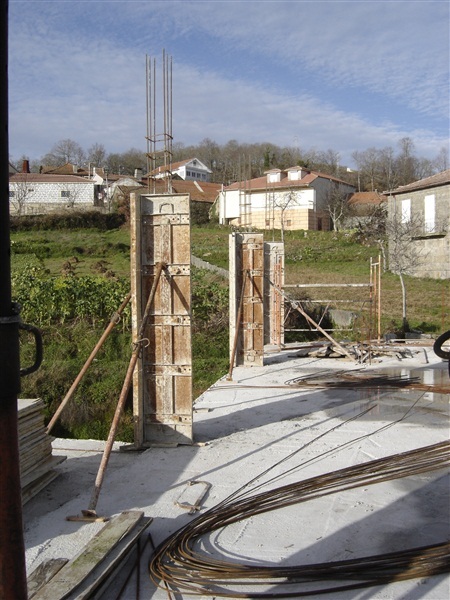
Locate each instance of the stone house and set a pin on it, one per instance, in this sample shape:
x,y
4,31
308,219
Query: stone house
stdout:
x,y
37,193
426,203
296,198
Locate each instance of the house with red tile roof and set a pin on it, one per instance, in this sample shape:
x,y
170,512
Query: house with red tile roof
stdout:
x,y
296,198
362,200
427,204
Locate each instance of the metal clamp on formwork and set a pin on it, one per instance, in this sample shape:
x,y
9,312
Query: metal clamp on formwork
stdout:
x,y
14,319
437,347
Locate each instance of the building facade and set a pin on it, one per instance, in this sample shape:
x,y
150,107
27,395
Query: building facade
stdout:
x,y
289,199
426,204
36,193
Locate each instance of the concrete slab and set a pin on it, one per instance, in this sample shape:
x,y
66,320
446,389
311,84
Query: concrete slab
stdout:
x,y
270,417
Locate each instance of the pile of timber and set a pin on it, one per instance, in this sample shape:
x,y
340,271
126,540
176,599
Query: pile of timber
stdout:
x,y
35,449
101,568
361,352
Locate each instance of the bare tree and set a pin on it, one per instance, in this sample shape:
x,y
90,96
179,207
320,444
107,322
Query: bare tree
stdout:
x,y
405,256
441,162
19,192
70,193
337,207
96,154
282,202
64,151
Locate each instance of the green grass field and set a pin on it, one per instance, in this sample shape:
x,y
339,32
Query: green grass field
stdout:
x,y
310,257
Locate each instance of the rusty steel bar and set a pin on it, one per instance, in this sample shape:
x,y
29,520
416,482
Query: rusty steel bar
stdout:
x,y
312,322
113,322
13,581
123,396
236,333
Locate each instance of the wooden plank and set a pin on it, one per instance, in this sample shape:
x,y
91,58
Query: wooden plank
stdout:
x,y
101,577
43,574
72,575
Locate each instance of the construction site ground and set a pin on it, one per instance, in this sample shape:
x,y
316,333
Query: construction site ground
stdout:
x,y
324,414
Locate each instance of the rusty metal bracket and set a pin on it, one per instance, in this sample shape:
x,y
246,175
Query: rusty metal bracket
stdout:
x,y
195,506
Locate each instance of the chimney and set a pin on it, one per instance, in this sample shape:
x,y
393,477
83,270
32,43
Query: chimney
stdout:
x,y
26,166
138,173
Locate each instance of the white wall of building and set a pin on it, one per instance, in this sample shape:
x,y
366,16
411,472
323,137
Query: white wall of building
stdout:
x,y
39,195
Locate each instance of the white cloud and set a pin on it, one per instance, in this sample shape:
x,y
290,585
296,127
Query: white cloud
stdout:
x,y
77,70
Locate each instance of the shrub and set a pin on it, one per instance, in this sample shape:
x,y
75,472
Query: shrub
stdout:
x,y
70,220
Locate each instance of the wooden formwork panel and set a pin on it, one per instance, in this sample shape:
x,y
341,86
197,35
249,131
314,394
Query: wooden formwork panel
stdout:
x,y
247,288
273,300
162,387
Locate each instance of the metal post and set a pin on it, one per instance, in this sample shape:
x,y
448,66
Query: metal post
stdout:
x,y
90,512
13,582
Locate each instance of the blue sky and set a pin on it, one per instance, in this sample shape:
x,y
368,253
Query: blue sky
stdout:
x,y
345,75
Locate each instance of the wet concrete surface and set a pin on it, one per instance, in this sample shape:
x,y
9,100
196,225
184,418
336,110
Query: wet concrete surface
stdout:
x,y
262,426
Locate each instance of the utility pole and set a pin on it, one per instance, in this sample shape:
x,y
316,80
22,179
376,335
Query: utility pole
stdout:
x,y
13,581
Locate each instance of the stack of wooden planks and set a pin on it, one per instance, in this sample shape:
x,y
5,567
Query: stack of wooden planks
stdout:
x,y
98,570
35,449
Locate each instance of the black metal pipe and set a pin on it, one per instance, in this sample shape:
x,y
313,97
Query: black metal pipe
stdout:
x,y
13,583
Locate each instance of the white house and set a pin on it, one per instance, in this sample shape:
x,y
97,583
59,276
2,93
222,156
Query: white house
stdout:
x,y
296,198
190,169
37,193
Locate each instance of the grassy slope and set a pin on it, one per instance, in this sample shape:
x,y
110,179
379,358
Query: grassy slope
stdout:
x,y
310,257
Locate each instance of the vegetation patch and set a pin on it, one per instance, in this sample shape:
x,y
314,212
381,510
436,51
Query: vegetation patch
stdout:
x,y
73,308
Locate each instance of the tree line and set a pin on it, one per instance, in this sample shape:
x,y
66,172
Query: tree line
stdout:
x,y
376,168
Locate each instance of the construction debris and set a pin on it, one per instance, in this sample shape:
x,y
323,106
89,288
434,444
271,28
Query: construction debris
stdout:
x,y
360,352
35,448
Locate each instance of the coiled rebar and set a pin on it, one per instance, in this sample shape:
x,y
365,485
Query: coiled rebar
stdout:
x,y
179,566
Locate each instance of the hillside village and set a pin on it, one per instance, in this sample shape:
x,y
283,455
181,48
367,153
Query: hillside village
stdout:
x,y
291,198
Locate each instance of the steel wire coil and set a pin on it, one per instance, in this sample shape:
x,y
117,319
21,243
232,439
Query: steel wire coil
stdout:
x,y
179,565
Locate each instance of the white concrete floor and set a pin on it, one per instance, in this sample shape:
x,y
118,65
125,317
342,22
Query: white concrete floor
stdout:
x,y
243,427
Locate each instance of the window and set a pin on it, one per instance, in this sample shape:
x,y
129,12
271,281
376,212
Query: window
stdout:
x,y
12,193
406,211
30,190
429,212
288,223
65,194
